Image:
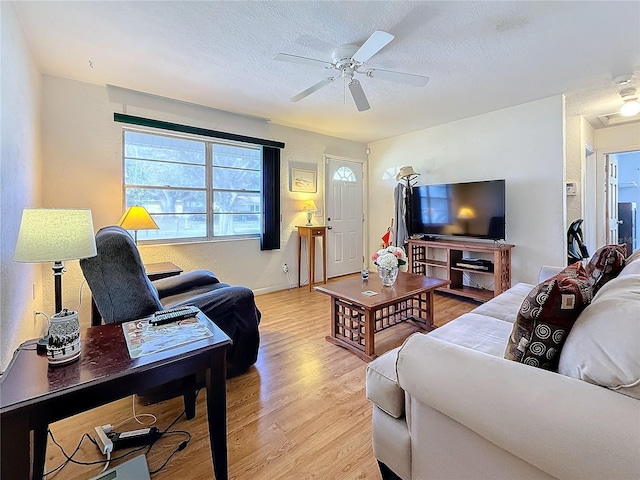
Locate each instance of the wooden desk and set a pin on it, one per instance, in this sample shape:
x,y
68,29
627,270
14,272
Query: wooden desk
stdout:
x,y
35,394
155,271
311,233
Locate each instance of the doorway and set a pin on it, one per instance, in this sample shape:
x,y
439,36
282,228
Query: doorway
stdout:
x,y
613,206
344,199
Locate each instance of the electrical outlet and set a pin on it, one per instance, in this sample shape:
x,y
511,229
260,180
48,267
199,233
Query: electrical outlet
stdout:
x,y
285,267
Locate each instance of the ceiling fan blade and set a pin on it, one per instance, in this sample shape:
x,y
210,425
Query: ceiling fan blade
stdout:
x,y
358,96
312,89
285,57
408,78
376,42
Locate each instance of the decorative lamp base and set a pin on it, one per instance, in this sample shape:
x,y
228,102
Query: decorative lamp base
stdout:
x,y
64,338
309,224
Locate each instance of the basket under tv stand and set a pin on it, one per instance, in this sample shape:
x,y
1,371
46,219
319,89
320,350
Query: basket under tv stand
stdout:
x,y
440,258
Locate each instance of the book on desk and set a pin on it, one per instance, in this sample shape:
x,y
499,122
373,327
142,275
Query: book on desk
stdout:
x,y
143,338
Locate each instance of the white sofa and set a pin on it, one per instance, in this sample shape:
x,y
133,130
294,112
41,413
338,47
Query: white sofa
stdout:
x,y
447,405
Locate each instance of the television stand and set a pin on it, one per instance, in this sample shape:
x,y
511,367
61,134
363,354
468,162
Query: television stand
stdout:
x,y
445,259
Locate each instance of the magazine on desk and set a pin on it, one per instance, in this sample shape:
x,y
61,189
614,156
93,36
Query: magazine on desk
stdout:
x,y
145,339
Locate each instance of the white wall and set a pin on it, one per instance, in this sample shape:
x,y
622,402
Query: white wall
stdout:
x,y
82,151
580,139
523,144
20,171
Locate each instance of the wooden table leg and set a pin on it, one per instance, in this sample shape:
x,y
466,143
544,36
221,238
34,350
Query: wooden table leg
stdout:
x,y
369,346
430,306
39,450
324,258
312,261
15,447
299,257
189,396
216,389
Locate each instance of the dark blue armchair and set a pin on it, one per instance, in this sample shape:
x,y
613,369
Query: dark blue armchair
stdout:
x,y
122,292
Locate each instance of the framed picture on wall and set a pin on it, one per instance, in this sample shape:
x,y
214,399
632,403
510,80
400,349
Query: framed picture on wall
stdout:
x,y
302,180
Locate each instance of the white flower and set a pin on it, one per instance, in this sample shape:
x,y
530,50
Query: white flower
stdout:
x,y
387,260
399,257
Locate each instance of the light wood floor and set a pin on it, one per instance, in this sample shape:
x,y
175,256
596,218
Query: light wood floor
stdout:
x,y
299,413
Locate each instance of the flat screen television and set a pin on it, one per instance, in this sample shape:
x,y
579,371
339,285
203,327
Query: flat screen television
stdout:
x,y
471,209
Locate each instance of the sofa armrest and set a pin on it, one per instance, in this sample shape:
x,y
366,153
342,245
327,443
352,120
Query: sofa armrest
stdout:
x,y
548,271
178,284
563,426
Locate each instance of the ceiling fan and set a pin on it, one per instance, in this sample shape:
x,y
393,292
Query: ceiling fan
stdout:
x,y
349,60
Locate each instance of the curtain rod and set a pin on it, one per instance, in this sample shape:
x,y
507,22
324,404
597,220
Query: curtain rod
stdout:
x,y
176,127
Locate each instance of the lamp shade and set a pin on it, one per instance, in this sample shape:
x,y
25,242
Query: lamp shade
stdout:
x,y
55,235
137,218
466,213
310,206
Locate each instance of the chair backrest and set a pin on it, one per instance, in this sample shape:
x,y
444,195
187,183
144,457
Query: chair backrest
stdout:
x,y
116,276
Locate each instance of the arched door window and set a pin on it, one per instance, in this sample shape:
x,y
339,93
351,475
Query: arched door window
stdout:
x,y
344,174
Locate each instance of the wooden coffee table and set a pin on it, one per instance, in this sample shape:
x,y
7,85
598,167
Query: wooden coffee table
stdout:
x,y
355,317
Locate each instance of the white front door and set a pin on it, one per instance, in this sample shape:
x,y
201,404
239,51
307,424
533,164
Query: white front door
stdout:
x,y
612,199
344,189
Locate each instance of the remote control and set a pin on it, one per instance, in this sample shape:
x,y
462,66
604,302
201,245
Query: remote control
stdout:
x,y
173,315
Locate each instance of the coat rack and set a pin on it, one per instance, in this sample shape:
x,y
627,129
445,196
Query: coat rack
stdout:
x,y
408,175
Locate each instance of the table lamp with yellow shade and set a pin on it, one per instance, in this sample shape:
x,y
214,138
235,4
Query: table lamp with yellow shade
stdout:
x,y
137,218
465,214
309,207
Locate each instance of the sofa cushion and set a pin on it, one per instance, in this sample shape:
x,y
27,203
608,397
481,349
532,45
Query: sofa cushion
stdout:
x,y
631,264
478,332
603,347
382,384
546,317
605,264
505,306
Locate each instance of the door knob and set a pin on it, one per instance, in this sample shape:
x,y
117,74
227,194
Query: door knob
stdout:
x,y
329,227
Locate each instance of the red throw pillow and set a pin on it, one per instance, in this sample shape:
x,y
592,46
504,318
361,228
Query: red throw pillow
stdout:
x,y
546,317
605,265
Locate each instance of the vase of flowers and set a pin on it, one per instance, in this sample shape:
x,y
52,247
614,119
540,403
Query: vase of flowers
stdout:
x,y
388,260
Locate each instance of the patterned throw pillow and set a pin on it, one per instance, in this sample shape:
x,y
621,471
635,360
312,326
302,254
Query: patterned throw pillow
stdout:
x,y
605,264
546,317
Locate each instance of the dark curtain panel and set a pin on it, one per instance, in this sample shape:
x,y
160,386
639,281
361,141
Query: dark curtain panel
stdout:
x,y
270,236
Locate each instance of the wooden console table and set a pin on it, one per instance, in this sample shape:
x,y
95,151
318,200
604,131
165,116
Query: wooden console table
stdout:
x,y
440,258
311,233
35,394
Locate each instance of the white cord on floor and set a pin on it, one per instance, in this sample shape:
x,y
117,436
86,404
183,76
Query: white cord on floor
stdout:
x,y
289,280
106,465
136,416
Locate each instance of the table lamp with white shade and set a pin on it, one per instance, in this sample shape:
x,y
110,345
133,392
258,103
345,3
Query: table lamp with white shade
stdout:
x,y
309,207
56,235
137,218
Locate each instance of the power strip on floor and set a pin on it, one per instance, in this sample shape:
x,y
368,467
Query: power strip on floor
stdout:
x,y
134,438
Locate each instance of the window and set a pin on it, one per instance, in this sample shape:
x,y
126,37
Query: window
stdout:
x,y
194,189
344,174
435,204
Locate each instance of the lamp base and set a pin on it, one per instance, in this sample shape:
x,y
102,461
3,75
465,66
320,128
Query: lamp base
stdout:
x,y
309,224
64,338
41,346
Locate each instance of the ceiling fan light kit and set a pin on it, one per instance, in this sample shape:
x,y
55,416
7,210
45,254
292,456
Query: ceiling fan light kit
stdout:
x,y
631,106
348,61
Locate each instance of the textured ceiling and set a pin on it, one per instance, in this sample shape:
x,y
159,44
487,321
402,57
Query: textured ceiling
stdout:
x,y
480,56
